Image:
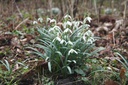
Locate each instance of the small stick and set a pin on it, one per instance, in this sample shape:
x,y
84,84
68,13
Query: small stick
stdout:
x,y
21,23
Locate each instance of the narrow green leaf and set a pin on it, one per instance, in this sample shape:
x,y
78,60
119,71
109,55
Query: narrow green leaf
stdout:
x,y
80,71
126,62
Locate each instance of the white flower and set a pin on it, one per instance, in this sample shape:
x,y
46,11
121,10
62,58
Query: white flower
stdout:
x,y
51,29
109,68
58,34
57,38
89,33
64,25
57,28
88,36
69,23
51,20
72,51
40,19
74,61
91,40
48,19
76,23
87,19
63,41
67,17
35,22
70,43
67,30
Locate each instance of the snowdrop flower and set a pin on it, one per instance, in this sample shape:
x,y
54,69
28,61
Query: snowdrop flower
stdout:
x,y
91,40
57,38
64,25
40,20
51,29
35,22
63,41
70,43
68,17
72,51
58,34
74,61
109,68
68,23
67,30
76,23
48,19
51,20
89,33
87,19
57,28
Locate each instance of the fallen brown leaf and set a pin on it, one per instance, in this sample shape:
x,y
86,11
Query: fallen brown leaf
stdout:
x,y
110,82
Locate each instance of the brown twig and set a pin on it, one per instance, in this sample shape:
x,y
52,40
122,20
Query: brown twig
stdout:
x,y
21,23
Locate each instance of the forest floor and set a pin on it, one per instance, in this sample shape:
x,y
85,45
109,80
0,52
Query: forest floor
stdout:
x,y
16,33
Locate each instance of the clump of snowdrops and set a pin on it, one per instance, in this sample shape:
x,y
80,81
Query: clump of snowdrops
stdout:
x,y
66,45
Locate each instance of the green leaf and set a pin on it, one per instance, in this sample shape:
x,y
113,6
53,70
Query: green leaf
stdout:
x,y
80,71
6,64
126,62
96,51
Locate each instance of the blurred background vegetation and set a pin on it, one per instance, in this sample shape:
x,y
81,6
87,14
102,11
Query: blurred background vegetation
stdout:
x,y
53,8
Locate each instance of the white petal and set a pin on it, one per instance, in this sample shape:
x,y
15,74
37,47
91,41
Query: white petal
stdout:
x,y
63,41
35,22
67,30
69,23
48,19
40,20
72,51
87,19
57,28
67,17
53,21
58,38
69,42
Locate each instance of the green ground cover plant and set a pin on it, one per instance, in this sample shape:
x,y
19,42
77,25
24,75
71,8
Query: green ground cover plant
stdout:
x,y
6,74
